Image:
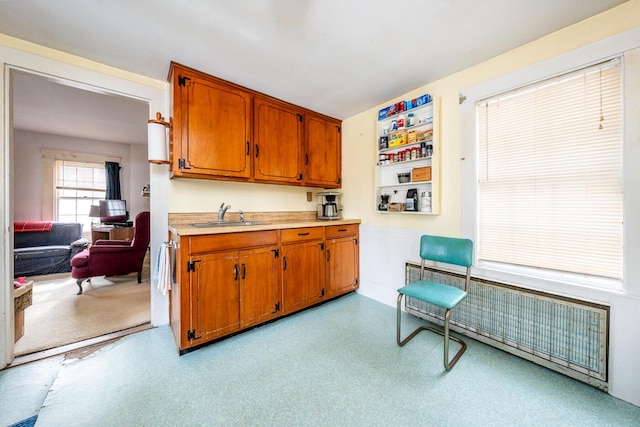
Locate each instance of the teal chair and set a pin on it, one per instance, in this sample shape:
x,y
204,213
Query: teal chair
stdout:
x,y
449,251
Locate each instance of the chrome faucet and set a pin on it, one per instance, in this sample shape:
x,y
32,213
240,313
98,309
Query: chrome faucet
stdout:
x,y
223,209
241,216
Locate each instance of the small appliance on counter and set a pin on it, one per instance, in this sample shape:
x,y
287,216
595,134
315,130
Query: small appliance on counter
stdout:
x,y
329,206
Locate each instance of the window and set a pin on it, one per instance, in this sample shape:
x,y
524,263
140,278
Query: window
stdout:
x,y
78,186
550,178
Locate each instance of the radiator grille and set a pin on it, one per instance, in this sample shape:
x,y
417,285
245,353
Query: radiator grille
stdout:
x,y
567,335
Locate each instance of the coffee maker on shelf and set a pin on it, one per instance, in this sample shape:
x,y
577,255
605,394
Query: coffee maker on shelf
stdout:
x,y
384,202
329,205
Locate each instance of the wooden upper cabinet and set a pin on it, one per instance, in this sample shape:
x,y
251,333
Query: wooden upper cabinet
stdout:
x,y
224,131
211,133
278,141
323,157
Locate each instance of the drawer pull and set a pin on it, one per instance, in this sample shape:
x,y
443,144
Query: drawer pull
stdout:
x,y
303,234
341,230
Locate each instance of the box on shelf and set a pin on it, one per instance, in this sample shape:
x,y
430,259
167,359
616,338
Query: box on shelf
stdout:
x,y
400,106
397,139
395,207
424,135
421,174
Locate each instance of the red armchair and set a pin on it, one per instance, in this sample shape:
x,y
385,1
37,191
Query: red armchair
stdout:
x,y
113,257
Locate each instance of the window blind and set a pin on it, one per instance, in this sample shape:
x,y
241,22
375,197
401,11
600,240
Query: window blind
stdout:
x,y
550,174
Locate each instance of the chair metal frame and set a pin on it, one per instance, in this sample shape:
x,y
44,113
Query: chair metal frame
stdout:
x,y
448,365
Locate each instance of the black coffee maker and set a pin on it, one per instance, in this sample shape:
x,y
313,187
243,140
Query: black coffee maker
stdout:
x,y
384,202
328,208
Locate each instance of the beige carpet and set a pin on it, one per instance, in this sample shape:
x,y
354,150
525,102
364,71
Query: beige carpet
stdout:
x,y
58,316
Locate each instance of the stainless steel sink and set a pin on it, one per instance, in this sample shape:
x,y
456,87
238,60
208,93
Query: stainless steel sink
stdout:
x,y
227,224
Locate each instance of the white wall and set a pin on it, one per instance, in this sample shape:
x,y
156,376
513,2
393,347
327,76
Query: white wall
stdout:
x,y
27,160
389,240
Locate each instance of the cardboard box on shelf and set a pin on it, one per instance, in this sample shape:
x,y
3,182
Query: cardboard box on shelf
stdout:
x,y
396,207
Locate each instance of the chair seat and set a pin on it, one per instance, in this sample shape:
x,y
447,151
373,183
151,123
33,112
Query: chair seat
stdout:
x,y
435,293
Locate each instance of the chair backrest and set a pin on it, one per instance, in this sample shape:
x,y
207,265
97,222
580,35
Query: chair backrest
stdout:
x,y
143,231
449,250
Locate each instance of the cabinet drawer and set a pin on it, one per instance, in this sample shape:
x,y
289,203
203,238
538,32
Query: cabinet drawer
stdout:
x,y
227,241
302,234
341,230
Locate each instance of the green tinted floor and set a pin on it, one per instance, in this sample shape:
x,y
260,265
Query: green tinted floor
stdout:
x,y
337,364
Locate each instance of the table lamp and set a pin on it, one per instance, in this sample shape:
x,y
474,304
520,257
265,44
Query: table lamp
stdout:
x,y
94,212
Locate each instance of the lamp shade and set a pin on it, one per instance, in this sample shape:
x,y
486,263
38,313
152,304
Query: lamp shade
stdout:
x,y
94,211
157,140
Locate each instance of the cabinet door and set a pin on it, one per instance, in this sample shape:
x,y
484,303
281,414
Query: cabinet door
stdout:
x,y
303,276
323,158
215,295
278,139
212,128
342,265
259,291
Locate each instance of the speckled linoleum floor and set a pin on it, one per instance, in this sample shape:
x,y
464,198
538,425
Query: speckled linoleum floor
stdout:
x,y
337,364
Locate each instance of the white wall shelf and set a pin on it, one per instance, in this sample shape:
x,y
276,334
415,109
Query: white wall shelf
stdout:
x,y
426,133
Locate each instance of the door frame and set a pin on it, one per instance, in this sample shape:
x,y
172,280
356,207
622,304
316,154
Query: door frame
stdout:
x,y
27,58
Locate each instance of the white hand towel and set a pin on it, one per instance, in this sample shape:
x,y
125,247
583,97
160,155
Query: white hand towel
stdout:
x,y
164,269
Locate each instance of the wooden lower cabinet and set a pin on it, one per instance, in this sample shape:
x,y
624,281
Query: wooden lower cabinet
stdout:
x,y
259,285
342,265
226,283
303,277
343,260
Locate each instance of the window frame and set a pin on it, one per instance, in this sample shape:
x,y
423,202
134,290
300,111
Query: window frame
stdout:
x,y
58,189
49,158
624,45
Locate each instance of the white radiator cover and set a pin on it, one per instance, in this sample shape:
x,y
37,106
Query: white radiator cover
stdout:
x,y
567,335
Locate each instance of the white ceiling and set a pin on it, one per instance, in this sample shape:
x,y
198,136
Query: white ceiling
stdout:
x,y
337,57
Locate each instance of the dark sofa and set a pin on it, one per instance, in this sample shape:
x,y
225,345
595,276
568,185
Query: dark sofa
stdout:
x,y
47,252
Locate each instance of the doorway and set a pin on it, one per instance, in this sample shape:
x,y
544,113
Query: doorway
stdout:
x,y
61,116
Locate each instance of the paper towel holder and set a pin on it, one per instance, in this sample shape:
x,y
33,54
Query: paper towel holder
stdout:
x,y
157,140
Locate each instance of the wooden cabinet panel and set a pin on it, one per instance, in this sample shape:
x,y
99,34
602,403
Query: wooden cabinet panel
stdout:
x,y
303,275
215,296
342,265
211,127
301,234
323,157
278,140
259,286
341,230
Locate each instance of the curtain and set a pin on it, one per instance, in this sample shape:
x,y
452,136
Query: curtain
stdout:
x,y
112,171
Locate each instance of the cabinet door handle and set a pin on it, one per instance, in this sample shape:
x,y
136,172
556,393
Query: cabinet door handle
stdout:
x,y
328,254
235,272
244,271
306,159
257,151
303,234
284,260
299,177
247,148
